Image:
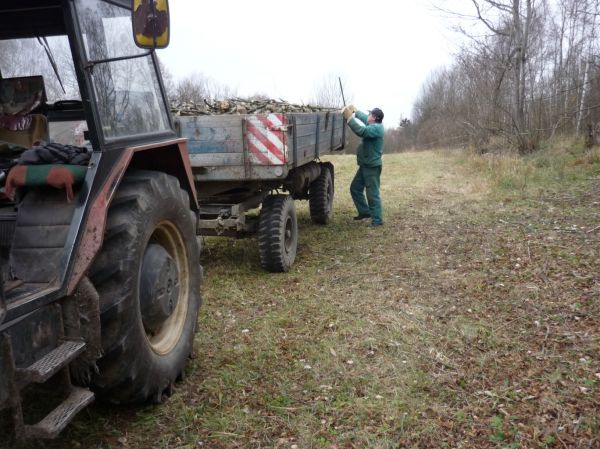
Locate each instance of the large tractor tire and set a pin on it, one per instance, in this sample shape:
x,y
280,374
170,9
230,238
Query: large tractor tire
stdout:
x,y
277,233
148,278
320,196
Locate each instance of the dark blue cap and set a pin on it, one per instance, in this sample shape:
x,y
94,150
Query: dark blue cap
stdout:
x,y
377,113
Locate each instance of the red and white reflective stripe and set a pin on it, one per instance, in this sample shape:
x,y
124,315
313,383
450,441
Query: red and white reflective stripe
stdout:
x,y
267,139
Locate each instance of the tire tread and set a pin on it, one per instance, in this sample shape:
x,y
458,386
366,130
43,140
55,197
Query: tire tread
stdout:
x,y
115,273
321,209
270,244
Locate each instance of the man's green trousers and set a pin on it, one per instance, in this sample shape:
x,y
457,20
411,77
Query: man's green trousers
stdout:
x,y
367,179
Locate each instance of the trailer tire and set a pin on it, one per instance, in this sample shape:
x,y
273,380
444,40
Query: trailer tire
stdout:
x,y
277,233
320,196
148,279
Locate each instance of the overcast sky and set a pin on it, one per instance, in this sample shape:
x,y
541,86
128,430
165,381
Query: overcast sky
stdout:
x,y
383,50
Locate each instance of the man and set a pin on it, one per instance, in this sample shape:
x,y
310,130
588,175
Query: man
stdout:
x,y
368,158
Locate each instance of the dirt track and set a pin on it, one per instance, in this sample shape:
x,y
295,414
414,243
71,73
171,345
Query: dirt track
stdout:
x,y
469,320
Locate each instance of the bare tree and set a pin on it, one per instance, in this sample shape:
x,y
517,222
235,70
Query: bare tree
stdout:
x,y
511,23
328,92
530,70
168,80
198,87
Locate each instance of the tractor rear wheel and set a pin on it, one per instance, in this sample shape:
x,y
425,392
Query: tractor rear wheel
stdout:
x,y
148,279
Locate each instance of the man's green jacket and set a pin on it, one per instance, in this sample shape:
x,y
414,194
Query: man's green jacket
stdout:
x,y
369,151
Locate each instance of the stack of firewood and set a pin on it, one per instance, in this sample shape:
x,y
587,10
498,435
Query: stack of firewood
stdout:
x,y
240,106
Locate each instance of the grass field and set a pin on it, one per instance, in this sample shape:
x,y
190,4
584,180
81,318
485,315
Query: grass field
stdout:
x,y
470,320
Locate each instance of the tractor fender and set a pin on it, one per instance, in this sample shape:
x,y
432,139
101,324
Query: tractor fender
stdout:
x,y
170,157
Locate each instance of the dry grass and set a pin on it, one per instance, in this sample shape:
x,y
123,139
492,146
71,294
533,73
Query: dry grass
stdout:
x,y
470,319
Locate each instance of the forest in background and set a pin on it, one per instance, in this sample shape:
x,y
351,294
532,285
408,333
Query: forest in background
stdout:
x,y
527,71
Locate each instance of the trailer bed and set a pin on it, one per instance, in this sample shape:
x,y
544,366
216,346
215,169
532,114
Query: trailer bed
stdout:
x,y
258,147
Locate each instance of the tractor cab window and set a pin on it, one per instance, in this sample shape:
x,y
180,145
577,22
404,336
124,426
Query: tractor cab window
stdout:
x,y
40,99
127,91
29,57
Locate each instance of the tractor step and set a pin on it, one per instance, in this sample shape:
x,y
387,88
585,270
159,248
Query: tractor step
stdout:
x,y
51,363
57,419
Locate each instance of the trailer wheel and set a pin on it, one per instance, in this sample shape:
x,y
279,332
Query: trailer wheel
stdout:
x,y
277,233
148,279
320,196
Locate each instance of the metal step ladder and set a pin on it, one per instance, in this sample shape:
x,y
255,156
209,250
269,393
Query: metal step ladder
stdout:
x,y
56,362
50,426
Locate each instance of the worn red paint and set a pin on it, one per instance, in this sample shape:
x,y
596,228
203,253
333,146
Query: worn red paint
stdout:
x,y
95,224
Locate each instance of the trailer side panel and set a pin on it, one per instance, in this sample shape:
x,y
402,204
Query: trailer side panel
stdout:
x,y
258,147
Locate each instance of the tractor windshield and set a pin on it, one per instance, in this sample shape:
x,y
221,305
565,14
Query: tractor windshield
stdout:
x,y
127,91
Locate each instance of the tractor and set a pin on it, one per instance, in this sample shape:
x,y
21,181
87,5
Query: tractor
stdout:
x,y
100,266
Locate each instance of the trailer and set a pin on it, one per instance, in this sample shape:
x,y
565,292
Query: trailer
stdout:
x,y
99,259
243,162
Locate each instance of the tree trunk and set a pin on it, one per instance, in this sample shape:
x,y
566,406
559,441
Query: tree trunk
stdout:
x,y
583,96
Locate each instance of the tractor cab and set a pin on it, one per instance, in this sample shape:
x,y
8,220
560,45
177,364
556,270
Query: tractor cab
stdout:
x,y
99,268
75,90
91,67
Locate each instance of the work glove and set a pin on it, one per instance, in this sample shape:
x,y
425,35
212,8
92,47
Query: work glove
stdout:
x,y
348,111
